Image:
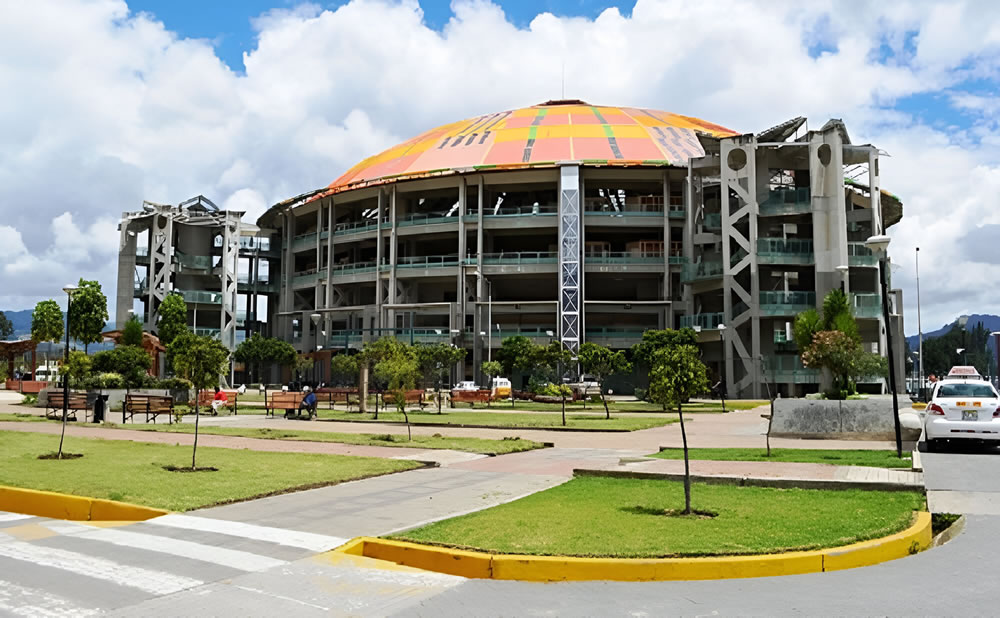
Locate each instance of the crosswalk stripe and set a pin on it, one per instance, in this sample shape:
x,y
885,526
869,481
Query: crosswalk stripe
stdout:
x,y
236,559
292,538
13,516
154,582
20,601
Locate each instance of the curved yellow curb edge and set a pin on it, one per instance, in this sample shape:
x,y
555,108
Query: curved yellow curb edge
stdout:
x,y
482,565
76,508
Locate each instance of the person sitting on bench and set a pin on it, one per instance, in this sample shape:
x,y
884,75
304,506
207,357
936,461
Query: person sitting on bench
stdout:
x,y
221,399
308,402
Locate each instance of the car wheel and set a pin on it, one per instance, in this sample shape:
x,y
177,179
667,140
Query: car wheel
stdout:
x,y
933,445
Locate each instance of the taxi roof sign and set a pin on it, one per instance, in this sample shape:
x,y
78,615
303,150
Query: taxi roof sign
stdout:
x,y
963,371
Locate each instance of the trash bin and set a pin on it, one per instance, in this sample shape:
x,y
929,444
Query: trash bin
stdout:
x,y
99,406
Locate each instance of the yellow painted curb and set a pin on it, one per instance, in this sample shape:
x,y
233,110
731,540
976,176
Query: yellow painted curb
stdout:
x,y
76,508
919,406
483,565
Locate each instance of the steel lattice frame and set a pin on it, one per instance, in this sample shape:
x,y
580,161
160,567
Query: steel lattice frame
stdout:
x,y
570,272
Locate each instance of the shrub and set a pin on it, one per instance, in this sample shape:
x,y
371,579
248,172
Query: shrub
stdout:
x,y
105,381
29,400
174,384
641,394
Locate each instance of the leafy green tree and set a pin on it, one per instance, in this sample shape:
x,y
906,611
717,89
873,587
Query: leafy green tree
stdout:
x,y
6,327
399,372
492,369
88,313
173,318
436,361
655,340
602,363
677,374
78,368
130,362
836,315
258,351
563,392
132,333
46,324
516,354
344,369
845,358
201,360
374,352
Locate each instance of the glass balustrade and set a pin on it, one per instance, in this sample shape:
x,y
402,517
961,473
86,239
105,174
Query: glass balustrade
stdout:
x,y
703,320
201,297
786,201
193,262
789,368
624,257
860,255
424,219
354,227
866,305
426,261
701,270
517,211
713,221
786,303
353,268
615,332
785,251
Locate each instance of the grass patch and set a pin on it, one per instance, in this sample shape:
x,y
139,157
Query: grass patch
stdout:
x,y
502,420
625,518
471,445
19,417
615,406
133,471
853,457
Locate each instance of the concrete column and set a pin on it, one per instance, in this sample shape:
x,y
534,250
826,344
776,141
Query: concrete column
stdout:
x,y
126,272
379,251
393,257
829,213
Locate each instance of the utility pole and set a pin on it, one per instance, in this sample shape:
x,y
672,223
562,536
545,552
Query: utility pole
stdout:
x,y
920,333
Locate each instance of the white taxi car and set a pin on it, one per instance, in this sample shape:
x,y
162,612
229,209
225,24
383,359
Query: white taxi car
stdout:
x,y
963,406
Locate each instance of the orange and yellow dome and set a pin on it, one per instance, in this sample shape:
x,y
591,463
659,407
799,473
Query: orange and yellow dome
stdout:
x,y
537,136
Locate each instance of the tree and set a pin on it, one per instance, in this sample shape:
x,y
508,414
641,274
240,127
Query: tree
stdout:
x,y
258,351
515,354
677,374
436,361
602,363
132,333
6,327
46,324
130,362
655,340
77,367
88,313
492,369
173,318
564,392
374,352
399,372
344,369
201,360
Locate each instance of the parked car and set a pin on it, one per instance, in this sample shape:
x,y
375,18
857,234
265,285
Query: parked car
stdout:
x,y
586,386
963,406
467,385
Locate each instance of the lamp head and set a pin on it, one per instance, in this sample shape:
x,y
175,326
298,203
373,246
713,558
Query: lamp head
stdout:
x,y
843,268
879,242
315,318
721,327
70,288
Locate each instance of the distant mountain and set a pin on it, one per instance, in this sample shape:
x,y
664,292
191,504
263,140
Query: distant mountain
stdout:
x,y
21,321
990,322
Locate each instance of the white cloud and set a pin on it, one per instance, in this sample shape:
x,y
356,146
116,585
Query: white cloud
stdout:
x,y
110,108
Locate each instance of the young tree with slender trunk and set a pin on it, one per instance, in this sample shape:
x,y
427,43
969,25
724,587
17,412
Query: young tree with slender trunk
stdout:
x,y
676,376
399,372
201,360
436,361
602,363
492,369
46,325
88,313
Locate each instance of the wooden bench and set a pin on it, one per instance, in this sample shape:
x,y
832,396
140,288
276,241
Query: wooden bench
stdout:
x,y
281,400
338,395
150,405
471,397
415,396
206,398
74,403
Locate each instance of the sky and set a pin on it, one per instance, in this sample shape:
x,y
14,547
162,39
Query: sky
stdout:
x,y
107,103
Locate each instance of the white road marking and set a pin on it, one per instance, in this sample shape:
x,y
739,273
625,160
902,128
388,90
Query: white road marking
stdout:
x,y
241,560
21,601
292,538
284,598
154,582
13,516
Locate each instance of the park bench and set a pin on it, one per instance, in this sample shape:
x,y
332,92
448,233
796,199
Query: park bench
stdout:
x,y
415,396
74,403
471,397
282,400
150,405
206,397
337,395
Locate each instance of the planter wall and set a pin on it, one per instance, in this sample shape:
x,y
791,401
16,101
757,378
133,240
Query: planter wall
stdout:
x,y
863,419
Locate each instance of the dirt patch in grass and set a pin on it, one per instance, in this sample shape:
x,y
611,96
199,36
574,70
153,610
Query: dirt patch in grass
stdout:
x,y
172,468
57,456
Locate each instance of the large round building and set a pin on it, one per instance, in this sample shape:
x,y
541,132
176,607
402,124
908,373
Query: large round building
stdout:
x,y
576,222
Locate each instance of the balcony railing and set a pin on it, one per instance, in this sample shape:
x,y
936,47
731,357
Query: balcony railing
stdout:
x,y
206,332
201,297
785,251
518,211
615,333
193,262
305,277
788,368
701,270
425,261
304,241
860,255
702,320
517,258
713,221
786,303
789,201
424,219
676,212
260,243
353,268
624,257
866,305
354,227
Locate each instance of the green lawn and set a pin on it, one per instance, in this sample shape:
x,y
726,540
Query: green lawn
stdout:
x,y
133,471
507,420
855,457
622,518
471,445
18,417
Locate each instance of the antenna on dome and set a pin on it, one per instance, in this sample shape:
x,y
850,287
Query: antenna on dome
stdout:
x,y
562,94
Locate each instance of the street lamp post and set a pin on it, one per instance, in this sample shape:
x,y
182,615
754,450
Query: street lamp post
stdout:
x,y
722,377
489,315
880,244
920,333
70,289
996,347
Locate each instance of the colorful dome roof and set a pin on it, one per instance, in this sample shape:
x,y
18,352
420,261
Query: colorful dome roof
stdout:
x,y
537,136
